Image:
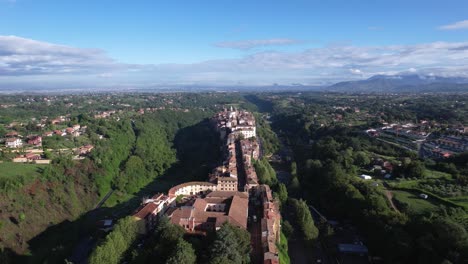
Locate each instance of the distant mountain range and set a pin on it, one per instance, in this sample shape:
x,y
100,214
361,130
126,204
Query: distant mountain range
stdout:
x,y
403,83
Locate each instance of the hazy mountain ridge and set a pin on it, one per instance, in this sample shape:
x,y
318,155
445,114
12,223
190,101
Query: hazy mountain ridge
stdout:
x,y
403,83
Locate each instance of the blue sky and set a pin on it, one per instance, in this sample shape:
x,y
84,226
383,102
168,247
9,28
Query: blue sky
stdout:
x,y
138,43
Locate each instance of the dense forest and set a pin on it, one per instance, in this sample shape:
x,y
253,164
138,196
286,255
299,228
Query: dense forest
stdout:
x,y
330,157
131,154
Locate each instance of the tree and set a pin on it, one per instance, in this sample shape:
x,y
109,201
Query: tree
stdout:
x,y
114,246
165,239
293,169
231,245
282,193
304,219
295,187
182,253
361,158
415,169
287,228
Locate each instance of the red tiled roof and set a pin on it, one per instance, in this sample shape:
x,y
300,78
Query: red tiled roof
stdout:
x,y
239,210
145,210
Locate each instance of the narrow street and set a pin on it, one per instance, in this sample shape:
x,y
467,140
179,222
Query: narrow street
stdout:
x,y
255,229
241,176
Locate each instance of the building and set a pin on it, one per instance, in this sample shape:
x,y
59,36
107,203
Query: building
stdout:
x,y
236,123
209,213
151,210
13,143
270,223
35,140
192,188
84,150
11,134
227,184
365,177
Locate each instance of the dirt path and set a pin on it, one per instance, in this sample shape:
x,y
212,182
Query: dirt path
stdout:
x,y
389,196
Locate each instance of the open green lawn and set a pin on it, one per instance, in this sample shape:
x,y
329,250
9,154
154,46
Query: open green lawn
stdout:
x,y
403,183
417,205
10,169
432,174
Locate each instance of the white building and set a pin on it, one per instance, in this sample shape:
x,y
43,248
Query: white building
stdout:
x,y
365,177
13,143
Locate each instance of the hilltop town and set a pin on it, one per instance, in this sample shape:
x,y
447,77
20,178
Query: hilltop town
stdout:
x,y
231,194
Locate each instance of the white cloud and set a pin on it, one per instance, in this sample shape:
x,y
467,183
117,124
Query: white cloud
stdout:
x,y
34,61
21,56
254,43
455,26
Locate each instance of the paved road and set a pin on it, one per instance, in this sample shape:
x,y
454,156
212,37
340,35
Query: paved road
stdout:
x,y
298,252
255,231
104,199
87,242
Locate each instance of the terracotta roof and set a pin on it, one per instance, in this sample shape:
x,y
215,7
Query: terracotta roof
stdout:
x,y
145,210
227,194
227,179
183,212
12,133
239,210
200,204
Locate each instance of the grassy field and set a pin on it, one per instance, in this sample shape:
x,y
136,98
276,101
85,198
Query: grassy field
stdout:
x,y
432,174
10,169
416,205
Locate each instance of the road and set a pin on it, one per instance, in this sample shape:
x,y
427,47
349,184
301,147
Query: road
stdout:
x,y
241,175
255,230
389,196
87,243
104,199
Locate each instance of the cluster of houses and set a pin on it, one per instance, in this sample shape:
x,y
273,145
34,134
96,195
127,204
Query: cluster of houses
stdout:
x,y
154,109
14,140
75,131
445,147
202,207
379,167
270,223
235,122
409,130
32,157
104,114
431,146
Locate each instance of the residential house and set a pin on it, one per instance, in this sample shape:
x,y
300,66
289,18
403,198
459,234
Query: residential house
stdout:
x,y
35,140
13,143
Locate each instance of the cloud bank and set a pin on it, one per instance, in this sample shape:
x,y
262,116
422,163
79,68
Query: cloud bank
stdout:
x,y
21,56
455,26
29,61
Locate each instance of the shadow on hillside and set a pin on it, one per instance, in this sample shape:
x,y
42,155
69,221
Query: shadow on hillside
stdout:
x,y
263,106
198,151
